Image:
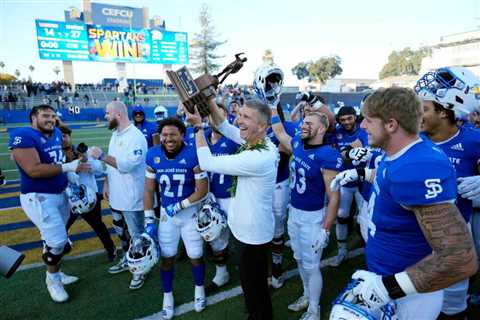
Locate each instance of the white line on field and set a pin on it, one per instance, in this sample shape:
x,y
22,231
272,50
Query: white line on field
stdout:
x,y
221,296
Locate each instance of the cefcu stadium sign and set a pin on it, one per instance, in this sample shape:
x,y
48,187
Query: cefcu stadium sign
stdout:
x,y
119,16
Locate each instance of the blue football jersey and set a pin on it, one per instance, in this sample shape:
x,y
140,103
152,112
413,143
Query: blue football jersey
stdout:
x,y
49,150
463,151
174,176
221,183
344,138
282,170
306,179
419,175
148,129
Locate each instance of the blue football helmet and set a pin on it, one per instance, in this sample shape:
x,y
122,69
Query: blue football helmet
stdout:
x,y
142,254
454,88
348,307
81,198
268,84
211,219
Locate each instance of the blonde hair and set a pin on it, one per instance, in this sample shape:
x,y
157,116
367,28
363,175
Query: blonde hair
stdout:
x,y
401,104
321,116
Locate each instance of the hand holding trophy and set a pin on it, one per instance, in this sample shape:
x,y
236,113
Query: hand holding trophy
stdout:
x,y
196,92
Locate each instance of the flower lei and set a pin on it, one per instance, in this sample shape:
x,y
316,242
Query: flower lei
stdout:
x,y
260,145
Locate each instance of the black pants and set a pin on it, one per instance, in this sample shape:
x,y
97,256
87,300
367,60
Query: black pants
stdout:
x,y
253,279
94,219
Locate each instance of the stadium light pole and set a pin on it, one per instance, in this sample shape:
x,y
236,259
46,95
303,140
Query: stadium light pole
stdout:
x,y
134,73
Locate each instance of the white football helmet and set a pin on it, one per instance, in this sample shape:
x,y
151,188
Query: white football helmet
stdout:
x,y
142,254
211,220
344,309
268,84
454,88
160,113
81,198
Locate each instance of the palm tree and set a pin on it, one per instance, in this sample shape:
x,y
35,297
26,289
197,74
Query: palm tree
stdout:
x,y
17,73
2,65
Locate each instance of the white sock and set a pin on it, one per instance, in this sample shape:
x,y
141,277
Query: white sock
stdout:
x,y
168,299
54,276
315,283
303,276
199,291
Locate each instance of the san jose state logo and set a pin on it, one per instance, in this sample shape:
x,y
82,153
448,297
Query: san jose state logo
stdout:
x,y
156,160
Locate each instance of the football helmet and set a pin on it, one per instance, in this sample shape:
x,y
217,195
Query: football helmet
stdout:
x,y
160,113
268,84
81,198
347,307
142,254
454,88
211,220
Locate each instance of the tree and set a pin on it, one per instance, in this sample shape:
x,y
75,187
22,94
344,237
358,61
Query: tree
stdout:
x,y
6,78
56,70
17,73
267,56
2,65
404,62
319,71
204,45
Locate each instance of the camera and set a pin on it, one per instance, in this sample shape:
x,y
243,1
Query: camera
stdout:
x,y
10,260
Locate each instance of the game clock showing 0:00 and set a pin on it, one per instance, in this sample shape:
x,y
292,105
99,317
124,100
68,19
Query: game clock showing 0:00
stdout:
x,y
76,41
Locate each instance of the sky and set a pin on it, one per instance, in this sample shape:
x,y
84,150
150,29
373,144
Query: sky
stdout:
x,y
361,33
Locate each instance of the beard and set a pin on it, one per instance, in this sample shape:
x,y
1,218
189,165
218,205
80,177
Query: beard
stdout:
x,y
112,124
45,130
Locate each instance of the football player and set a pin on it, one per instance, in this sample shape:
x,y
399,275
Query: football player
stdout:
x,y
220,185
174,165
147,128
442,106
348,135
418,242
37,151
313,167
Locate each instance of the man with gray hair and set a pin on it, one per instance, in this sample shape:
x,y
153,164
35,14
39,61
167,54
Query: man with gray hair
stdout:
x,y
123,187
250,216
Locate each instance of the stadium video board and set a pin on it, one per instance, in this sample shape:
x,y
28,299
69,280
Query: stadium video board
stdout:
x,y
75,41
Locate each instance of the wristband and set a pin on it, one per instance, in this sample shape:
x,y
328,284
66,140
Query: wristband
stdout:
x,y
149,214
149,175
275,120
185,203
201,175
393,288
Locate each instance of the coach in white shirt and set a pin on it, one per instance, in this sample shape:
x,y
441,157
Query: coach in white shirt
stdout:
x,y
250,215
123,187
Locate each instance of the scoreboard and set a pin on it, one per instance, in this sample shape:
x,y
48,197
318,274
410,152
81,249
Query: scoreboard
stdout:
x,y
77,41
62,41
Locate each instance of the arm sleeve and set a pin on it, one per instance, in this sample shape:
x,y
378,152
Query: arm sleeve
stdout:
x,y
332,160
423,183
133,156
246,163
20,139
230,131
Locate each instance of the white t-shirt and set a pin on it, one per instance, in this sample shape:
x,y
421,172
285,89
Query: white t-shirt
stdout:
x,y
126,182
250,215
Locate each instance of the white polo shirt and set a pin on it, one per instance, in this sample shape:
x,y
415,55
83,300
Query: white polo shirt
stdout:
x,y
250,215
126,182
